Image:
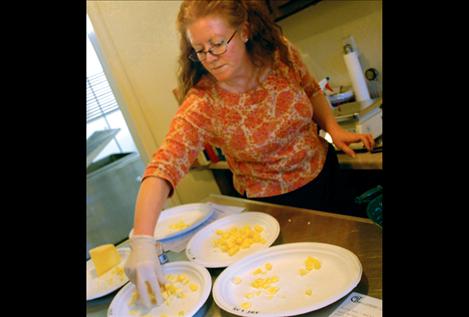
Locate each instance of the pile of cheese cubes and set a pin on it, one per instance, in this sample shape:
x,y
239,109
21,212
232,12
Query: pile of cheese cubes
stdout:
x,y
266,285
310,264
261,285
235,238
178,226
177,286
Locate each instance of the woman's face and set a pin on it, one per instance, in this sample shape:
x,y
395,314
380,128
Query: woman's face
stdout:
x,y
208,31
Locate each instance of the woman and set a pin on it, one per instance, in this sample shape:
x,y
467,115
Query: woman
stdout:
x,y
245,89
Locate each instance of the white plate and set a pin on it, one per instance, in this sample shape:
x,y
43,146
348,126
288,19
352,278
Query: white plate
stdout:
x,y
193,301
200,248
109,281
192,214
339,273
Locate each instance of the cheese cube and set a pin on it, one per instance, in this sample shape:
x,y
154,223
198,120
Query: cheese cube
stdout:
x,y
303,272
236,280
133,299
181,295
257,271
171,277
272,290
180,225
104,258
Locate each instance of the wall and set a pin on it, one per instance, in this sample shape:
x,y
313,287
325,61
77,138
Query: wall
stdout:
x,y
318,31
139,44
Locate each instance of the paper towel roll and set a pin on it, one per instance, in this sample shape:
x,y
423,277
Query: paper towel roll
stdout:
x,y
356,75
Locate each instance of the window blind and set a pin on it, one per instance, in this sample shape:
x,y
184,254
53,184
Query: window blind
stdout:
x,y
99,97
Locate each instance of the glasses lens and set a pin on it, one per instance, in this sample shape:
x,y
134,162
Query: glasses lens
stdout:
x,y
214,50
218,49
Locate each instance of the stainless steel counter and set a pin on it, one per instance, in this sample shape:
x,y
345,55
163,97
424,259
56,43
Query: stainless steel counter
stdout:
x,y
364,161
359,235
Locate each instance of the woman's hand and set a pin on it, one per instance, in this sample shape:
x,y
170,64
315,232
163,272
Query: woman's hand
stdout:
x,y
144,271
342,138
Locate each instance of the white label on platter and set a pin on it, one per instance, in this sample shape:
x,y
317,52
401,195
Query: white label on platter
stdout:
x,y
359,305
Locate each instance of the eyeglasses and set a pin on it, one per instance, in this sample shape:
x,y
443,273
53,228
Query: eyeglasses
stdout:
x,y
216,50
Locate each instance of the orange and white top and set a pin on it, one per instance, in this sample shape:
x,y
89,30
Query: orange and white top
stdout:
x,y
267,134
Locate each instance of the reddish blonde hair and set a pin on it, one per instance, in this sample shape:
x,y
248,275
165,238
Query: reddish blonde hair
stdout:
x,y
265,37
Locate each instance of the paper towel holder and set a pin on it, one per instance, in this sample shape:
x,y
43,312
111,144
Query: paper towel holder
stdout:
x,y
349,45
348,48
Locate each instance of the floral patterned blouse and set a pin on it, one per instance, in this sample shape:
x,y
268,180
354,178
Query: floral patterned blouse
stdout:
x,y
267,134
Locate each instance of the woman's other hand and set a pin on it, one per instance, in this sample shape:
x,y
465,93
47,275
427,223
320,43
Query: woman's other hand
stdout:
x,y
343,138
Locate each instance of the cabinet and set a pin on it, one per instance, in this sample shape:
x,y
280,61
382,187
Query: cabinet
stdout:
x,y
112,184
280,9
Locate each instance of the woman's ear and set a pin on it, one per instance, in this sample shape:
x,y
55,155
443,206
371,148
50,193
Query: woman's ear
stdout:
x,y
245,32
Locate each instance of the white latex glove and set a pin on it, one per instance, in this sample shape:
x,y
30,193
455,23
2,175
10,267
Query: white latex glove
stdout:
x,y
143,266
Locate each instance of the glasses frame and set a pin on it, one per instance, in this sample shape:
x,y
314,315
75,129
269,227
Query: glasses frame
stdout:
x,y
194,55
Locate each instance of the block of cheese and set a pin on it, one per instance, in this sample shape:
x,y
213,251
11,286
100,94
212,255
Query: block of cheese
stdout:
x,y
104,258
